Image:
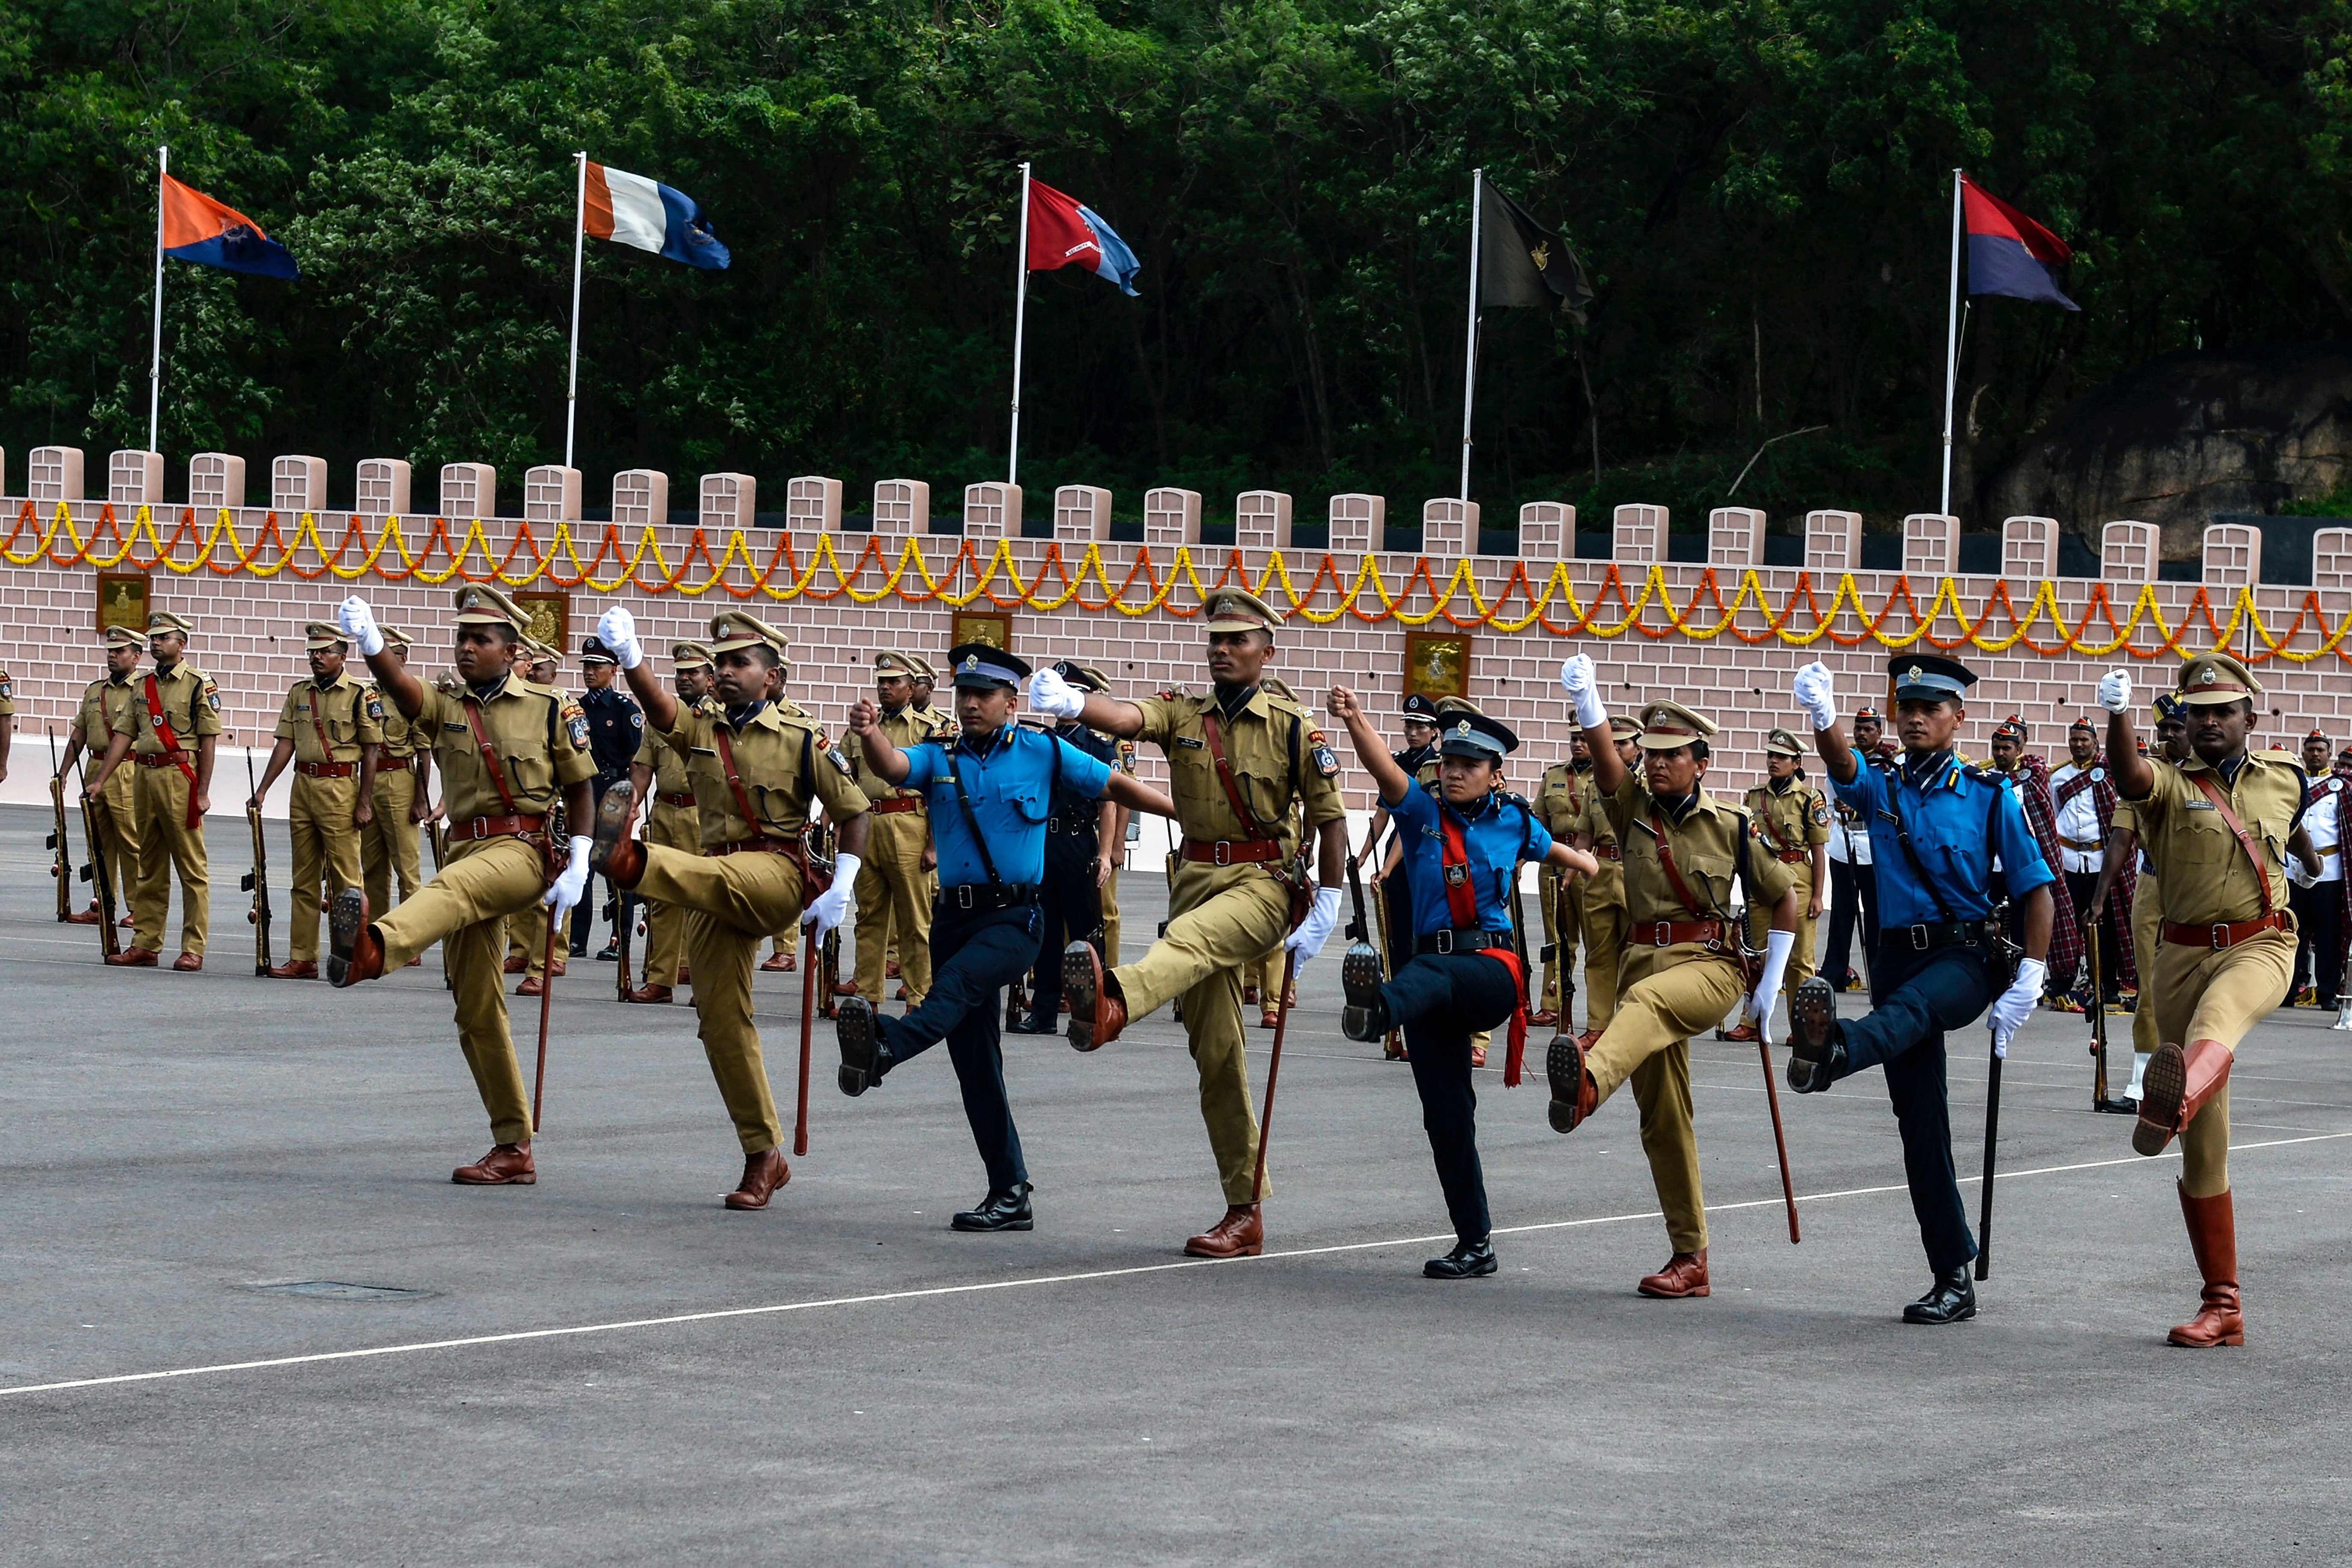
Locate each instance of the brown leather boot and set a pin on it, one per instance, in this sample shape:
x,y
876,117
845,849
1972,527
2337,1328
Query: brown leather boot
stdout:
x,y
1683,1275
132,958
354,953
1097,1015
509,1165
2176,1088
613,851
1240,1234
1477,1056
763,1172
188,963
295,969
517,964
777,963
1742,1034
1574,1095
2214,1237
90,917
532,985
650,993
1268,1019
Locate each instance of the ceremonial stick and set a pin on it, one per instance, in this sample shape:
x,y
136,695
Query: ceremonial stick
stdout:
x,y
808,1023
1771,1089
546,1000
1273,1072
2098,1024
1993,1137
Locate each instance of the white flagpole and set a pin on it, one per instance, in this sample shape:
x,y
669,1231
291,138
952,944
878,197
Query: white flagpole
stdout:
x,y
1020,320
1470,351
1951,347
156,364
579,241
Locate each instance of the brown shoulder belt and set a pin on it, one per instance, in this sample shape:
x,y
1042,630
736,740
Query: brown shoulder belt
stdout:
x,y
735,781
1251,826
473,708
325,747
2245,841
1674,872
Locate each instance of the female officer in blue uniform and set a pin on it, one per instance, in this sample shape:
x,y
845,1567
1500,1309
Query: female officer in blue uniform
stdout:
x,y
989,800
1468,971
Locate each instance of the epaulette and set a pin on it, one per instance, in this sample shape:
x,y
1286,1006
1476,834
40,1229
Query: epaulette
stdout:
x,y
1515,798
2286,757
1277,700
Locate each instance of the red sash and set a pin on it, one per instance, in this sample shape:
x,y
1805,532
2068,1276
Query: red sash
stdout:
x,y
169,741
1462,908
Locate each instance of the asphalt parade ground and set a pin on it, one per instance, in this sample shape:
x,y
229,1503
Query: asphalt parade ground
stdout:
x,y
610,1369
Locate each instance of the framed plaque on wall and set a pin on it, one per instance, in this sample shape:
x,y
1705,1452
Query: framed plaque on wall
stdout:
x,y
1437,663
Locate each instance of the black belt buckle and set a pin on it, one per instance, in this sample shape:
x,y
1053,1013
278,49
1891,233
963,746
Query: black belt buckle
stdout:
x,y
1919,938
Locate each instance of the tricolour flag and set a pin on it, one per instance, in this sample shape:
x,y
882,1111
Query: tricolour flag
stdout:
x,y
1063,231
2009,253
212,233
632,210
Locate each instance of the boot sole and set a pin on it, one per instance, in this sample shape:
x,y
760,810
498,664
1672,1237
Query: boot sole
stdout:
x,y
1564,1064
1082,984
1359,978
2227,1339
1444,1268
615,814
985,1227
852,1029
2162,1091
1812,1023
1644,1288
345,919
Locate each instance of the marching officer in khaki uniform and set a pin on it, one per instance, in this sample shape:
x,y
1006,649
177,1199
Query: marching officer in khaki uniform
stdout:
x,y
1240,762
894,896
389,846
1683,968
1793,825
102,701
755,772
328,728
1600,899
1263,984
527,933
2148,905
672,821
170,731
509,749
2220,828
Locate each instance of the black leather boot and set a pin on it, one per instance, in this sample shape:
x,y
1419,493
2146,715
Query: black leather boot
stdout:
x,y
1045,1021
863,1058
1816,1056
1466,1262
1952,1299
1006,1211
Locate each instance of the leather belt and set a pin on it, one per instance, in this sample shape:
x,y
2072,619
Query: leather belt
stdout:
x,y
2082,846
326,769
1455,940
1928,936
983,895
1675,933
1232,852
1058,825
2225,933
1608,851
1793,857
385,765
518,826
163,758
898,804
788,847
677,798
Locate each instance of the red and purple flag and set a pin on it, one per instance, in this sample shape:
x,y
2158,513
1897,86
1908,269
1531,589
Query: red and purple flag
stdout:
x,y
213,233
1063,231
2009,253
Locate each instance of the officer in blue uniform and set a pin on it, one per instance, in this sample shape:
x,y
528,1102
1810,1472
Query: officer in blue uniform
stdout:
x,y
615,727
1070,901
1936,824
989,799
1468,968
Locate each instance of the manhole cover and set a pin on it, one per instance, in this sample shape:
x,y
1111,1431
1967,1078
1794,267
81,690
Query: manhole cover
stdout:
x,y
341,1291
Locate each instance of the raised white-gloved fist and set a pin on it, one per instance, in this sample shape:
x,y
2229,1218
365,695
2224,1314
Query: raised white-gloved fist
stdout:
x,y
1054,696
1778,944
2015,1005
1815,689
839,902
358,622
618,630
1315,929
2115,690
573,883
1576,679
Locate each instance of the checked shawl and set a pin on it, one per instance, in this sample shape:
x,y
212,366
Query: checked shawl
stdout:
x,y
2126,883
2032,781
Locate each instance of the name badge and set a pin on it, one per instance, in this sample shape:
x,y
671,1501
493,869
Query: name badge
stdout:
x,y
1190,743
2197,805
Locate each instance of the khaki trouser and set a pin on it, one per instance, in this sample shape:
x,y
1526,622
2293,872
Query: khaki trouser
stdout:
x,y
1648,1041
1221,918
1266,975
894,899
733,902
167,844
389,846
676,828
2217,994
526,935
117,810
1601,912
485,884
1801,963
2148,928
326,851
1109,895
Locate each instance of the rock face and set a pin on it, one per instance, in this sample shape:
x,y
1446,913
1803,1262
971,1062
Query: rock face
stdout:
x,y
2184,436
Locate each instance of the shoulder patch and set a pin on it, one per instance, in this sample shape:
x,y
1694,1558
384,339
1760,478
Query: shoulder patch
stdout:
x,y
374,705
1821,813
839,761
636,718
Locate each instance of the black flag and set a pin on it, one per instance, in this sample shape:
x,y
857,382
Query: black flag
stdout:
x,y
1520,262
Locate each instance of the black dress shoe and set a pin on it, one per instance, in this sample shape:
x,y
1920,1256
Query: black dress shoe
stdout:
x,y
863,1059
2119,1107
1035,1023
1466,1262
1816,1055
1952,1298
612,953
1006,1211
580,950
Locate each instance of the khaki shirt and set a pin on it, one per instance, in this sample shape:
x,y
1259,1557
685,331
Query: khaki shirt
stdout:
x,y
1559,799
782,760
1705,847
669,766
400,736
909,726
102,701
2206,878
540,737
191,706
348,711
1790,821
1278,755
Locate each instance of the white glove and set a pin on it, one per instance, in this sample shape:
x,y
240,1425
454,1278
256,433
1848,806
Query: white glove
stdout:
x,y
2015,1005
358,622
1054,696
1778,944
839,902
2115,690
1815,689
1315,929
618,630
1576,678
573,883
2305,876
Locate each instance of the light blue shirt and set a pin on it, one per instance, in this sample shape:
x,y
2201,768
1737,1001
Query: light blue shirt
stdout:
x,y
1012,790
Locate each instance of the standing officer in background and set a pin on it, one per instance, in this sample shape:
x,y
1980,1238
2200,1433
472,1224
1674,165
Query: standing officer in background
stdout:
x,y
328,728
614,728
1793,825
7,719
527,933
2319,907
1601,908
1114,849
1078,824
2223,828
170,732
1853,881
2083,803
1240,763
993,787
756,770
672,821
403,799
508,748
1559,806
1420,715
1935,967
893,898
102,701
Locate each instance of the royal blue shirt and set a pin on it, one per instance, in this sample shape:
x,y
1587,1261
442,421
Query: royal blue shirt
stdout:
x,y
1012,788
1957,822
1496,836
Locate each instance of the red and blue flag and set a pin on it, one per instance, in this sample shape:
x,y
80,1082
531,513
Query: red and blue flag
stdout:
x,y
2009,253
1063,231
213,233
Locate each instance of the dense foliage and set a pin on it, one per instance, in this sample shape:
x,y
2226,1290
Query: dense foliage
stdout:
x,y
1760,188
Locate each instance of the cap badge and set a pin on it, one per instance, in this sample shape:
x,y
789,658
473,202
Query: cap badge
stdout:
x,y
2209,677
1916,672
971,660
1462,728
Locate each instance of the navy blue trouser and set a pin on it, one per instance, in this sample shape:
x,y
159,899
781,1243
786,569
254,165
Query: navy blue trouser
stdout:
x,y
974,955
1071,911
1919,996
1440,1000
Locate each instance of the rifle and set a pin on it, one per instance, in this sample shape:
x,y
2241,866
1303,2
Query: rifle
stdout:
x,y
558,832
109,940
257,881
1168,872
2099,1100
1998,924
625,931
1753,958
62,868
